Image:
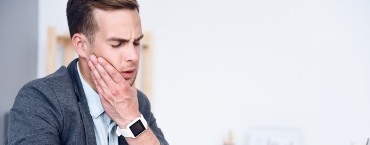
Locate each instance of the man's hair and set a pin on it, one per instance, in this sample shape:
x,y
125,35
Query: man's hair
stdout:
x,y
80,14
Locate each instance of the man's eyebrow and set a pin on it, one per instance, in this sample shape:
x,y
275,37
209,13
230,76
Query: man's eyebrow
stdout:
x,y
139,38
125,40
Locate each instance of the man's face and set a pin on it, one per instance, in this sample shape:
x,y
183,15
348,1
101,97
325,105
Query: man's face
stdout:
x,y
118,40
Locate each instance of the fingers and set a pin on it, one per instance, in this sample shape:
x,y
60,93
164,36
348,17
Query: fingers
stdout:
x,y
103,99
99,71
106,77
116,94
100,84
98,88
114,74
106,70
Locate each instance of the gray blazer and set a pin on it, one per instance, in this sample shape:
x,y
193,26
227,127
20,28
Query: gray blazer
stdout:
x,y
54,111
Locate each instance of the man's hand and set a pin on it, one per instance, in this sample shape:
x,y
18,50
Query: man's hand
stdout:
x,y
119,98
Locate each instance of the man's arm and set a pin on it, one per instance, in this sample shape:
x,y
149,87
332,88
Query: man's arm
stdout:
x,y
33,118
145,109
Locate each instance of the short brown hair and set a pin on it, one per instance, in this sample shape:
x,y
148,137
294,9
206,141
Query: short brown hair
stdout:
x,y
80,14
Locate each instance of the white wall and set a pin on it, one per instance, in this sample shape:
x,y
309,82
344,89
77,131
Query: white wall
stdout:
x,y
239,65
244,64
51,14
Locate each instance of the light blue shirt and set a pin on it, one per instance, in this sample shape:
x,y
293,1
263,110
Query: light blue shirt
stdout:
x,y
104,127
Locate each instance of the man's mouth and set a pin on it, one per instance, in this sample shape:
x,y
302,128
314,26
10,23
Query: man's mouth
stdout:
x,y
128,74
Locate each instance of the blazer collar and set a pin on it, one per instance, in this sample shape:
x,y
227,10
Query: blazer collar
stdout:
x,y
77,85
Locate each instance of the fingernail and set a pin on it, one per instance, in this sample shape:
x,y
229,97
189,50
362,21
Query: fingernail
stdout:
x,y
89,63
92,58
100,60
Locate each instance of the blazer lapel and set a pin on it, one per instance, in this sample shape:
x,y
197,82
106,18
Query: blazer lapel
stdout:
x,y
82,103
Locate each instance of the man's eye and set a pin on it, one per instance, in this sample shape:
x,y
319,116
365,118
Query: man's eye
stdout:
x,y
116,45
136,43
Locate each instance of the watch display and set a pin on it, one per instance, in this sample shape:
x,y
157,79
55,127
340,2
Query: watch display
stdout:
x,y
137,128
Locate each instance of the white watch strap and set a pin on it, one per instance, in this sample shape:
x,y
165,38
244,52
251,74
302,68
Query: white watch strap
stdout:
x,y
127,132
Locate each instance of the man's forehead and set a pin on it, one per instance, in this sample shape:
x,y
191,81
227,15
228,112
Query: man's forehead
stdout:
x,y
123,13
123,24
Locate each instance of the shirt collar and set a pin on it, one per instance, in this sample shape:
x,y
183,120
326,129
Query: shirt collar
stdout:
x,y
93,99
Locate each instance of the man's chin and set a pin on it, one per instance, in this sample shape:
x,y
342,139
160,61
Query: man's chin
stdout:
x,y
131,82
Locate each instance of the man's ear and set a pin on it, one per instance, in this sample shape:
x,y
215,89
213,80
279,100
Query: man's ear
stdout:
x,y
81,45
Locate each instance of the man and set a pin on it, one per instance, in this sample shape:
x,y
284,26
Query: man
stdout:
x,y
93,100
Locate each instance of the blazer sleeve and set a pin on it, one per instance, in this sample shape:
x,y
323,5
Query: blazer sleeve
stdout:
x,y
35,117
145,109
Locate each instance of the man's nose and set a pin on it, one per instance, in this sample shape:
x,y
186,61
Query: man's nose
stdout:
x,y
132,53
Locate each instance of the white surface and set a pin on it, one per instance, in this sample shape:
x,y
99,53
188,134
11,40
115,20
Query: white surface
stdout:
x,y
243,64
51,14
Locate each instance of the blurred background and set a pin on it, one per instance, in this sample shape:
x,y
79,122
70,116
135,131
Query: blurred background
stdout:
x,y
240,72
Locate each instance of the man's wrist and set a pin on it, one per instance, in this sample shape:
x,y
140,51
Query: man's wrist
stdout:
x,y
127,120
134,128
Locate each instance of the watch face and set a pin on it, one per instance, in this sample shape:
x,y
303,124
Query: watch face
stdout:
x,y
137,128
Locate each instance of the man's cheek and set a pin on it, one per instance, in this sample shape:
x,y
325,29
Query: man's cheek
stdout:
x,y
115,66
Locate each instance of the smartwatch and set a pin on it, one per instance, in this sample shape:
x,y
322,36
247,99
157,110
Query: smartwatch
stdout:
x,y
133,129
